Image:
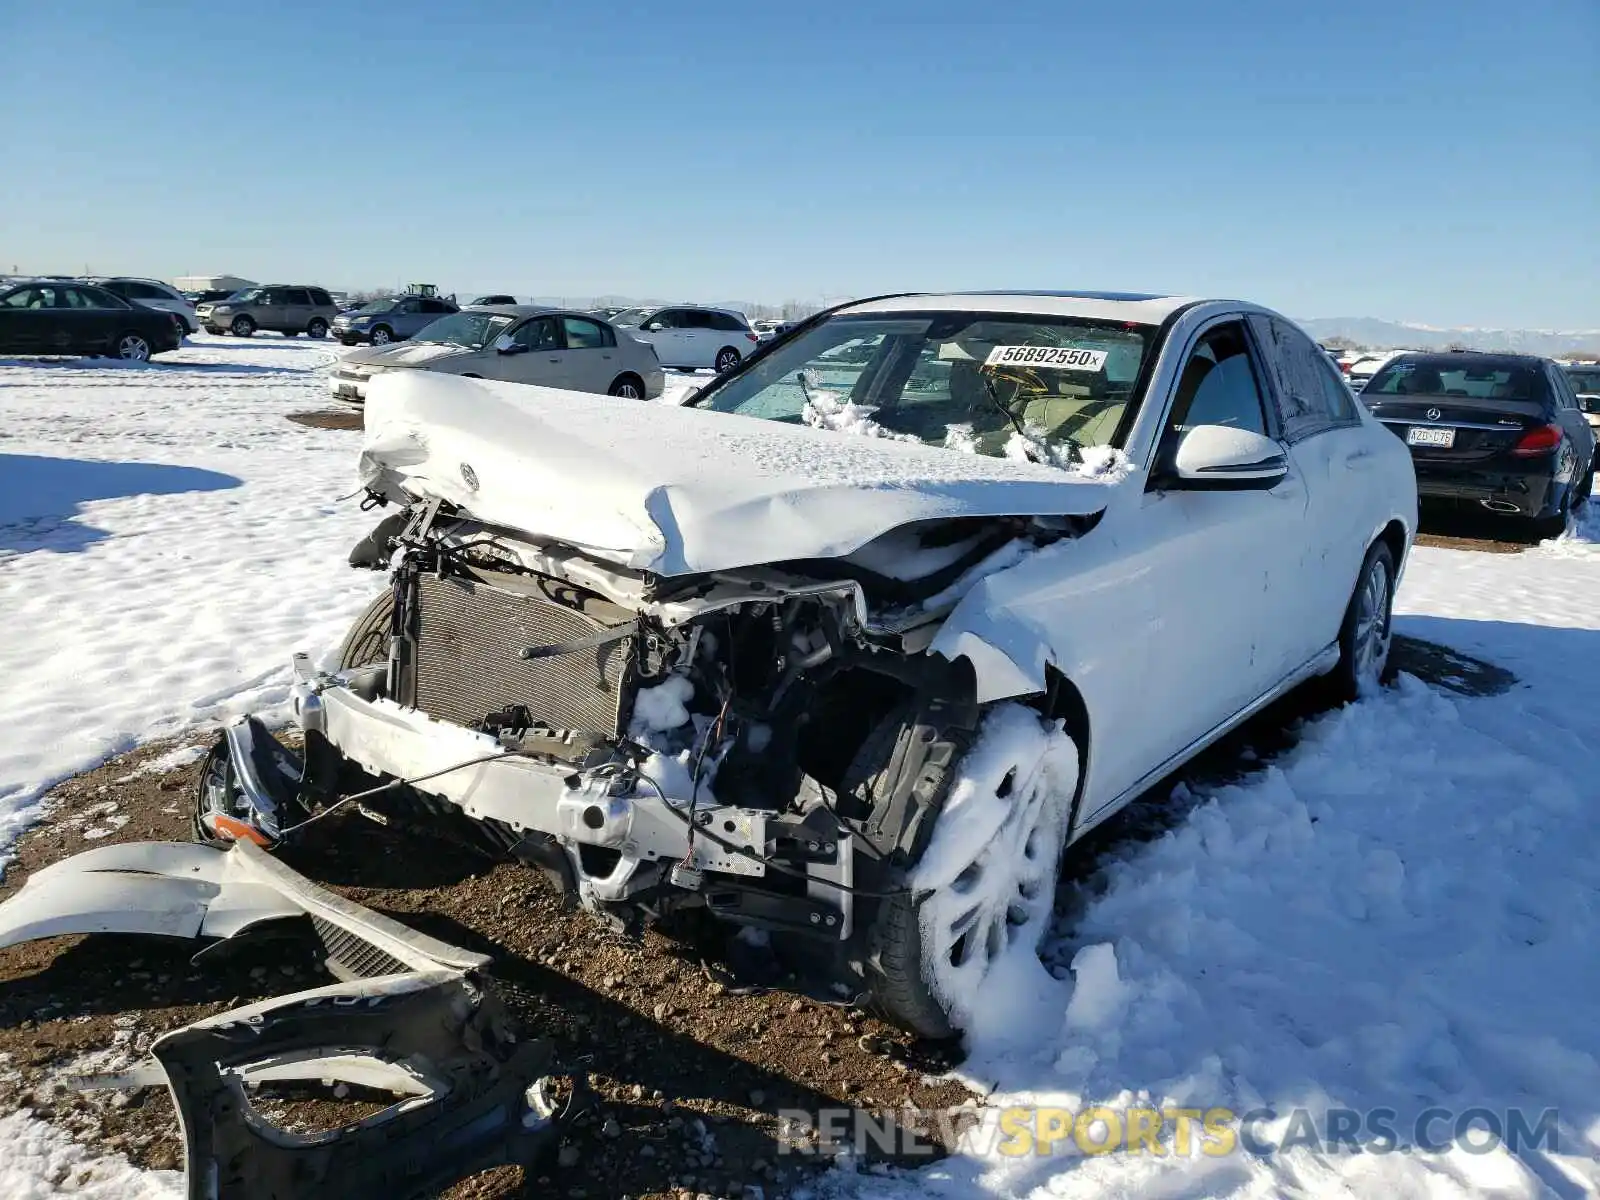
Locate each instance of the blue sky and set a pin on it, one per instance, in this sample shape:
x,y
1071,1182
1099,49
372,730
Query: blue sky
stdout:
x,y
1428,160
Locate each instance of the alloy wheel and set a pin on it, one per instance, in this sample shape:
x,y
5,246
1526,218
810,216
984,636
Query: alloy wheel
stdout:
x,y
134,348
995,885
1372,624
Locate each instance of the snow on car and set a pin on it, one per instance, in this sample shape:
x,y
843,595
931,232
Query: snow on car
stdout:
x,y
892,700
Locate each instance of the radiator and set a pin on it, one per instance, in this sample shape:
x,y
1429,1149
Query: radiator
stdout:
x,y
466,667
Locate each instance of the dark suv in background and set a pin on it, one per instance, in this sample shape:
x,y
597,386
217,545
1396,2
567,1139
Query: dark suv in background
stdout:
x,y
1502,432
289,309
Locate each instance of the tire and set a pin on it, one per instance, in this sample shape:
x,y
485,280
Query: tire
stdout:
x,y
317,329
382,336
727,359
242,326
1555,524
920,974
132,347
1585,490
629,387
1364,646
368,640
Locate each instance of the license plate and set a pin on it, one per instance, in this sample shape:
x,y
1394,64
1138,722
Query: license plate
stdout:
x,y
1419,435
345,389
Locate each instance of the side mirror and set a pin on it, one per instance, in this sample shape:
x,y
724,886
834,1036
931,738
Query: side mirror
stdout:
x,y
504,344
654,327
1219,457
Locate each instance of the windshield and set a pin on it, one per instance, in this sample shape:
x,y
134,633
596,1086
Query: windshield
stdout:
x,y
1008,385
631,316
472,329
378,306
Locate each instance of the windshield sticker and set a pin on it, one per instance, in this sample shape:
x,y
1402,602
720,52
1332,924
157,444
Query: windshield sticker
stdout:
x,y
1055,358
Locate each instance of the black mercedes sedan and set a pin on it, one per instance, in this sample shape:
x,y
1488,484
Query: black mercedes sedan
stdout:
x,y
1502,432
54,317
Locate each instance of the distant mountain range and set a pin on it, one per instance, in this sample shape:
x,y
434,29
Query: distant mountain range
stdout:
x,y
1393,335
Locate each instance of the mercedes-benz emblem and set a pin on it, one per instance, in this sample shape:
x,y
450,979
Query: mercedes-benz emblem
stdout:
x,y
469,477
1434,414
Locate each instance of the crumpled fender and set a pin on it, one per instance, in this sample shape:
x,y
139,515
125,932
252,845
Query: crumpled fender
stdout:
x,y
164,888
179,889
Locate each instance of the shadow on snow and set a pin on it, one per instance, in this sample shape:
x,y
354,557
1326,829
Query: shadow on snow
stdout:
x,y
39,497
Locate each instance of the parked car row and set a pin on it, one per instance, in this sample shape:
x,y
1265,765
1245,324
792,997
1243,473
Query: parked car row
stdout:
x,y
550,347
75,317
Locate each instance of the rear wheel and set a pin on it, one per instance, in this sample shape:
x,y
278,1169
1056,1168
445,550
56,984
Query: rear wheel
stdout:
x,y
983,886
629,387
318,328
727,360
382,335
1364,638
243,326
132,347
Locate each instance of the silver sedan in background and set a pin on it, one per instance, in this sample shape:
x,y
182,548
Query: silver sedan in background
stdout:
x,y
517,343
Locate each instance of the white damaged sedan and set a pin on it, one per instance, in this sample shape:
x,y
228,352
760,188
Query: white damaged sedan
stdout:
x,y
851,647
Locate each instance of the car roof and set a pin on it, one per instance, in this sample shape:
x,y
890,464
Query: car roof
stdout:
x,y
526,310
1137,307
127,279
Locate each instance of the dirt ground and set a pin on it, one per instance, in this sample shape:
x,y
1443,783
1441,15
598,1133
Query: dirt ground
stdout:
x,y
690,1067
332,418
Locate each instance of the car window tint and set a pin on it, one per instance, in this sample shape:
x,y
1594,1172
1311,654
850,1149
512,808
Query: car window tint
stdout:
x,y
25,298
298,296
84,298
436,306
142,291
582,334
698,318
538,334
1218,386
727,322
320,298
409,305
667,318
1302,381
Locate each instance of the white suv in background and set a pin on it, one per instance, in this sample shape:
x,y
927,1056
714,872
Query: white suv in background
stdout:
x,y
152,293
687,336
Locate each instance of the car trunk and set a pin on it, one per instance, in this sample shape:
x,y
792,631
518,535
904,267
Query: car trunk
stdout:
x,y
1478,430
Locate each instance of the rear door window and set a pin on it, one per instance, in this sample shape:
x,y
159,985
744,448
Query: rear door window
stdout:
x,y
585,335
298,296
1308,393
321,298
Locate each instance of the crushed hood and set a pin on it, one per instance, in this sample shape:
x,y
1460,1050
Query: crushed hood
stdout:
x,y
405,354
678,491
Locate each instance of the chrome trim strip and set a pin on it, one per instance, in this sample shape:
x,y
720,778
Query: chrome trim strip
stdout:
x,y
1426,424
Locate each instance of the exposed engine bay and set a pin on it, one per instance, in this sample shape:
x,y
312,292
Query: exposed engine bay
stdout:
x,y
721,741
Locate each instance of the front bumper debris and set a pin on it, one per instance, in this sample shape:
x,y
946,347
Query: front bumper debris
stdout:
x,y
415,1018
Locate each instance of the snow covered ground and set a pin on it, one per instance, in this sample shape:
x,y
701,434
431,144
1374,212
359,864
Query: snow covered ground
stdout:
x,y
1401,912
